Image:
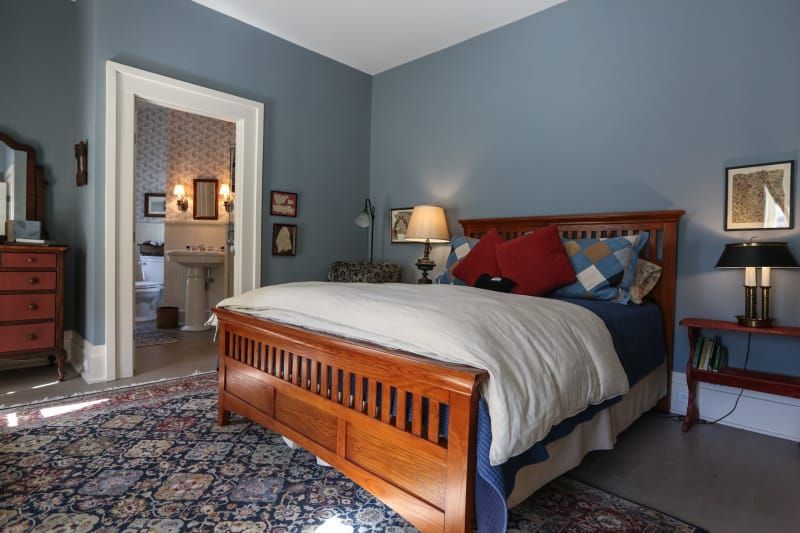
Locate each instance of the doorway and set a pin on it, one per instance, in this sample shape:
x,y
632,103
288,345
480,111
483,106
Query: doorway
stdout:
x,y
124,85
183,206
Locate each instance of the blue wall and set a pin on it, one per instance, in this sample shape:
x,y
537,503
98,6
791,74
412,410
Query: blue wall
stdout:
x,y
604,106
316,127
38,53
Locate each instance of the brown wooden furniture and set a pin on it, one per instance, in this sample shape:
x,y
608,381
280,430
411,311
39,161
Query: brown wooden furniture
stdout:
x,y
331,395
32,302
779,384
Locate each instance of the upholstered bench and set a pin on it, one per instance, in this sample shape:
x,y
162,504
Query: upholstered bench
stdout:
x,y
364,272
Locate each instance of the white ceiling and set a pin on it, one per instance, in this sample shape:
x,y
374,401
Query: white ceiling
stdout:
x,y
376,35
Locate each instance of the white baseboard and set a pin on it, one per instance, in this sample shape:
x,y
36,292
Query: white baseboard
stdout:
x,y
769,414
86,358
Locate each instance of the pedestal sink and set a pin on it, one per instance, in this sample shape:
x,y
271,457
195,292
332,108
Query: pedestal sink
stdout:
x,y
196,263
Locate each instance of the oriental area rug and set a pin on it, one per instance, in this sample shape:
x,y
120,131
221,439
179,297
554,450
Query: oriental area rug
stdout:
x,y
151,458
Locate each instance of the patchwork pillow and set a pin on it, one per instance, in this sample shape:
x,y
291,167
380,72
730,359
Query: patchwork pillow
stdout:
x,y
536,262
459,248
605,268
645,279
481,259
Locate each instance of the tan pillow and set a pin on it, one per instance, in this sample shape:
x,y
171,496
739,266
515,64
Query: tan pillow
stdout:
x,y
646,277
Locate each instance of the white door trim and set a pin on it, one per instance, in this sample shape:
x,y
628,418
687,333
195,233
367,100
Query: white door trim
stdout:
x,y
123,85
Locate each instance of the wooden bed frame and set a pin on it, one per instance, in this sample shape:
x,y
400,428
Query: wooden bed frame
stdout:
x,y
289,380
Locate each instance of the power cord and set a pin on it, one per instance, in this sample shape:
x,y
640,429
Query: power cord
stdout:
x,y
736,404
679,418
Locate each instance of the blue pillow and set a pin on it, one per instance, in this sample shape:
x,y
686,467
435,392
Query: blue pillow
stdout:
x,y
605,268
459,248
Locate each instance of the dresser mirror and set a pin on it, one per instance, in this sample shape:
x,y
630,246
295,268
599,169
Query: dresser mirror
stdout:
x,y
21,183
205,199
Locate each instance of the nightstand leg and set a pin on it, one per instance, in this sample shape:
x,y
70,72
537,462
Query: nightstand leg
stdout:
x,y
61,358
692,412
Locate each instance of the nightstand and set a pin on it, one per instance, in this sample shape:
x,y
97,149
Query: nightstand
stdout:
x,y
779,384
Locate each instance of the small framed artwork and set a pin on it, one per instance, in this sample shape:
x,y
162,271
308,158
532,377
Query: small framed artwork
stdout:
x,y
155,204
398,223
81,162
283,204
760,196
284,239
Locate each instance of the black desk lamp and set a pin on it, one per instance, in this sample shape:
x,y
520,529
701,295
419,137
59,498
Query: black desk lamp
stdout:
x,y
750,256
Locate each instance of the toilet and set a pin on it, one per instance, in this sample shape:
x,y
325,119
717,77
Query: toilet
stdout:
x,y
149,287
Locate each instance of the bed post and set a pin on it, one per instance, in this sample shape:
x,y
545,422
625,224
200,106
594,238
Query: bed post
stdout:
x,y
459,512
223,416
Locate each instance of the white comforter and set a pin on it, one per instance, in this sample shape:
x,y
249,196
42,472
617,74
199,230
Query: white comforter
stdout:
x,y
547,359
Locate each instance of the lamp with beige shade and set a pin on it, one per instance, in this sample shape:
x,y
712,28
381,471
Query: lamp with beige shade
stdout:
x,y
428,224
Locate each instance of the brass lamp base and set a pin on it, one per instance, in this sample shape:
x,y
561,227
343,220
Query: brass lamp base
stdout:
x,y
754,322
425,265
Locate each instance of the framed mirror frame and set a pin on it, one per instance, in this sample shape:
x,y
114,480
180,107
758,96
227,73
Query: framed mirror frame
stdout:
x,y
215,199
34,179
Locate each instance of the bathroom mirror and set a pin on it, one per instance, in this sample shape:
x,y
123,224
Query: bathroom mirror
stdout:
x,y
21,183
205,199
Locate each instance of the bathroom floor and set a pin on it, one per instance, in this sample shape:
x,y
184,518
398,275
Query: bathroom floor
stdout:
x,y
195,352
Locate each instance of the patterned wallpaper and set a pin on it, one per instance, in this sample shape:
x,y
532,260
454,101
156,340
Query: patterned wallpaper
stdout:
x,y
198,147
151,155
177,147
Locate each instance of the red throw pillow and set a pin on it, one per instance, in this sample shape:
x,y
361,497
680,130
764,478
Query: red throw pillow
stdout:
x,y
537,262
480,260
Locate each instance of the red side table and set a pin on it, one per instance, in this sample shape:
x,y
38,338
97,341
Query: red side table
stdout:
x,y
779,384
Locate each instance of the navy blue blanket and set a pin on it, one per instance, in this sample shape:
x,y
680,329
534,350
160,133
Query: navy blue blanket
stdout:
x,y
638,336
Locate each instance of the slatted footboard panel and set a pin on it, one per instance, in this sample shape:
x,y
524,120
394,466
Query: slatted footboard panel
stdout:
x,y
401,426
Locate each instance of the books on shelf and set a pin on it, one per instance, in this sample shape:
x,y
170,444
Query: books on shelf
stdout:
x,y
710,354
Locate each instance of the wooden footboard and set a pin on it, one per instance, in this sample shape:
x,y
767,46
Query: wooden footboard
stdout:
x,y
372,413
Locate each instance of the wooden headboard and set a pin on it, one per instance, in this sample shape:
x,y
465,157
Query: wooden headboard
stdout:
x,y
662,249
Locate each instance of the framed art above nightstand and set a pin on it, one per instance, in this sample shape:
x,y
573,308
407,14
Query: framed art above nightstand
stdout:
x,y
760,196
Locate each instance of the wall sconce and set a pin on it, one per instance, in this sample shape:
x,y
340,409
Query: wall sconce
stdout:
x,y
227,196
182,202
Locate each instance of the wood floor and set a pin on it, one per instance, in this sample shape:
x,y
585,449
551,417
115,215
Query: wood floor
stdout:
x,y
717,477
196,352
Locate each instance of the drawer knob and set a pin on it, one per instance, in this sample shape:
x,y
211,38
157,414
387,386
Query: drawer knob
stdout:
x,y
32,336
33,281
31,260
32,307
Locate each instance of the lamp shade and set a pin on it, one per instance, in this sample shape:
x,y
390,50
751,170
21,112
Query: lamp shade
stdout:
x,y
179,190
224,190
363,219
427,224
757,254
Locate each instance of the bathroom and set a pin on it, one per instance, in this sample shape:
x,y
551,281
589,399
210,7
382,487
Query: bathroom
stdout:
x,y
183,258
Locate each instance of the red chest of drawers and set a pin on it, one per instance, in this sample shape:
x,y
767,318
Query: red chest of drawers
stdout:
x,y
32,302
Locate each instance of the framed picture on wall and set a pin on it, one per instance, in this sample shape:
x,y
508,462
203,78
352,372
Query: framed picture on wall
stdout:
x,y
284,239
155,204
283,204
398,223
760,196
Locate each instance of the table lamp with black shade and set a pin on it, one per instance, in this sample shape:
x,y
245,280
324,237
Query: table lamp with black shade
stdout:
x,y
428,224
751,256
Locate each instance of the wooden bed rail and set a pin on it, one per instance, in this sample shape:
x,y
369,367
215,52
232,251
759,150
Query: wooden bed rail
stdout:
x,y
344,401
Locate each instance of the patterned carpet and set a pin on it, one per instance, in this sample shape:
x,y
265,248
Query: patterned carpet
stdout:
x,y
151,458
146,334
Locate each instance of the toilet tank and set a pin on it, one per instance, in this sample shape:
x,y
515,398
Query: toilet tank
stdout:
x,y
153,268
